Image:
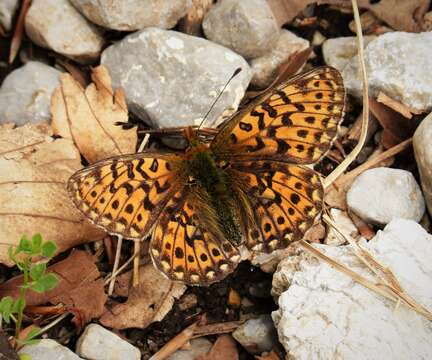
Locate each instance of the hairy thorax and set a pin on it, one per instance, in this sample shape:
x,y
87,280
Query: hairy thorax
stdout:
x,y
206,176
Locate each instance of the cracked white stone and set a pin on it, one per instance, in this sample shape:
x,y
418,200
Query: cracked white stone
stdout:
x,y
169,85
133,15
98,343
7,12
398,64
382,194
25,94
324,314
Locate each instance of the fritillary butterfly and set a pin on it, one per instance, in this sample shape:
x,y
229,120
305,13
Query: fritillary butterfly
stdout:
x,y
247,186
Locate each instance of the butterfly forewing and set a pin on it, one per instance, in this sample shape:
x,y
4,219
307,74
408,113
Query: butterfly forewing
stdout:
x,y
297,122
125,194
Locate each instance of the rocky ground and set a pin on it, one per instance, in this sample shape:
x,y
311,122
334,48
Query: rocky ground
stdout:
x,y
172,59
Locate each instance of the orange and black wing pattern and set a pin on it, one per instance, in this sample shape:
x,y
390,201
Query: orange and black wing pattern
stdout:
x,y
125,195
187,244
296,123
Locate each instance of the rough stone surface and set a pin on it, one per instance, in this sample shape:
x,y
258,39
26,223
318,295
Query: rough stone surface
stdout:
x,y
7,11
98,343
247,27
264,68
256,335
48,349
344,224
423,154
324,314
397,64
172,79
200,346
337,52
57,25
133,14
382,194
25,94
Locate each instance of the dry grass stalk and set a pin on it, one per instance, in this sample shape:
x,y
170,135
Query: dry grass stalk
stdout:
x,y
116,264
19,31
351,157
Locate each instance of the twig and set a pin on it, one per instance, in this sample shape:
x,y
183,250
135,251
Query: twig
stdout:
x,y
144,143
136,264
51,324
216,328
116,263
354,153
19,31
175,343
120,269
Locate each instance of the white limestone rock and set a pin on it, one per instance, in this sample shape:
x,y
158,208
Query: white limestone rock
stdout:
x,y
25,94
98,343
7,12
47,349
133,14
382,194
324,314
57,25
247,27
265,68
423,154
398,64
172,79
257,335
338,52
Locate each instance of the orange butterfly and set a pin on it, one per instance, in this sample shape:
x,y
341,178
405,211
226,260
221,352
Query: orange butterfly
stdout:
x,y
247,186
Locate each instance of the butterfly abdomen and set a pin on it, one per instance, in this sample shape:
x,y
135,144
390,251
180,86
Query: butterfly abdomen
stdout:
x,y
214,181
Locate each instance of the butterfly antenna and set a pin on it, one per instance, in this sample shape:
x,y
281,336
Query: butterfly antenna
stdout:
x,y
235,73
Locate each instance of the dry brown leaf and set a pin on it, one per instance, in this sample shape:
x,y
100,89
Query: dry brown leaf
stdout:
x,y
396,127
405,15
33,198
88,116
80,288
148,302
396,105
224,348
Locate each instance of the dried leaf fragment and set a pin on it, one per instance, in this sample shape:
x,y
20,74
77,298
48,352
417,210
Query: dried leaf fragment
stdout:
x,y
224,348
33,198
80,287
147,303
89,116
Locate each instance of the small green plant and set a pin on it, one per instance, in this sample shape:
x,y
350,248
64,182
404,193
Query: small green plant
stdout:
x,y
35,277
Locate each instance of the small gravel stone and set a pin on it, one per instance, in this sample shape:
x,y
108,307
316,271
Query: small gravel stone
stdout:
x,y
57,25
423,155
325,314
380,195
337,52
98,343
25,94
247,27
398,64
265,68
133,14
7,12
47,349
344,224
256,335
200,346
172,79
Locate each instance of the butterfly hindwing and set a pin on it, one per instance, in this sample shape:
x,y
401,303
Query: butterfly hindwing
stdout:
x,y
184,247
125,194
284,200
297,122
